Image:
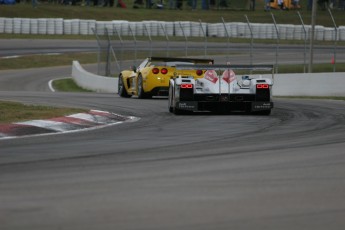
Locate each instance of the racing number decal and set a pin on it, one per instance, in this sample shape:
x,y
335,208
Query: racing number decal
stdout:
x,y
211,75
229,76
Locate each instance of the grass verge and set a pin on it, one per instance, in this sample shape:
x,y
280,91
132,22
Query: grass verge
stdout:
x,y
36,61
68,85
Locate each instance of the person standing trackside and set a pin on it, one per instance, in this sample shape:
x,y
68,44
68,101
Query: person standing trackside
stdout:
x,y
252,5
267,5
34,3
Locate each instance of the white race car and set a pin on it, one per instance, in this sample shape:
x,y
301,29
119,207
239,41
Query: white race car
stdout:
x,y
219,90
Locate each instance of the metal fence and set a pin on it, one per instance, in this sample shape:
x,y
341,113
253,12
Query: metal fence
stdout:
x,y
119,41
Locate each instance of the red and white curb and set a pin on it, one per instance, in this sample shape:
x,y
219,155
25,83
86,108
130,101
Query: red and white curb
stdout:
x,y
72,123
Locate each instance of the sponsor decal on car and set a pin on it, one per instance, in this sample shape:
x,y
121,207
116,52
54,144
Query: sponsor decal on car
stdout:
x,y
229,76
211,75
257,106
187,105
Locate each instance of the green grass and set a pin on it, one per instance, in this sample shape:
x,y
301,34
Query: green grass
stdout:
x,y
68,85
15,112
36,61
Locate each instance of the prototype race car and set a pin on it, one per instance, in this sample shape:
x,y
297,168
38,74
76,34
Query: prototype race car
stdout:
x,y
220,90
152,76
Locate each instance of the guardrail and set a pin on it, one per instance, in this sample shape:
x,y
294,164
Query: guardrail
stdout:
x,y
301,84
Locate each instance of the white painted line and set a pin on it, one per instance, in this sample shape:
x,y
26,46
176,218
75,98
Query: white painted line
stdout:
x,y
9,57
50,84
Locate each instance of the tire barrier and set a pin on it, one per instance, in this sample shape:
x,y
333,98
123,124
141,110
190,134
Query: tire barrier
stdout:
x,y
59,26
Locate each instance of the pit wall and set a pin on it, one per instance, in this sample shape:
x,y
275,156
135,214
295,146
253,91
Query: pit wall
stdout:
x,y
301,84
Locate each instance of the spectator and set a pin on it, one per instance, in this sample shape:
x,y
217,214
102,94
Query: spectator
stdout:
x,y
252,5
138,3
310,4
172,4
148,4
34,3
295,4
179,4
281,4
194,4
267,5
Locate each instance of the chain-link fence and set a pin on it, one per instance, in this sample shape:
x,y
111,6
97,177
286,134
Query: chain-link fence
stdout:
x,y
122,40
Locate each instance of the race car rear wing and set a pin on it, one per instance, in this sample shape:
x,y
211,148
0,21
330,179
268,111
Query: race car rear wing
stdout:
x,y
264,68
200,61
225,67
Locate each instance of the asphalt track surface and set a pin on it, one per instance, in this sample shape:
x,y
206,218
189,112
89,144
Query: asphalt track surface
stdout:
x,y
284,171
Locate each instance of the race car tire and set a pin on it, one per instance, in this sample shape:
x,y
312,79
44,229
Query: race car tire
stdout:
x,y
121,89
140,89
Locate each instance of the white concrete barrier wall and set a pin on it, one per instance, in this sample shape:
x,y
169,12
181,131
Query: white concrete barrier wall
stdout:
x,y
314,84
92,81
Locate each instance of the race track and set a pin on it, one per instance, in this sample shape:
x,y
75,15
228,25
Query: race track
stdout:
x,y
284,171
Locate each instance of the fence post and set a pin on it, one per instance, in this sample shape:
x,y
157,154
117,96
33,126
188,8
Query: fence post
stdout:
x,y
251,39
99,50
228,42
335,40
305,43
278,38
150,40
135,45
121,48
205,36
186,40
167,38
111,49
107,61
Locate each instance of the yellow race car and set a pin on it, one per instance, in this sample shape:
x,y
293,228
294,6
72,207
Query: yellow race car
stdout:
x,y
152,76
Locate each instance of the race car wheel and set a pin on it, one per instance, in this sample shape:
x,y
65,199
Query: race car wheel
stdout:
x,y
140,89
121,88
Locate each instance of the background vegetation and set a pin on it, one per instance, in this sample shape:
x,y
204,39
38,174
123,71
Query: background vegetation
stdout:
x,y
54,10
